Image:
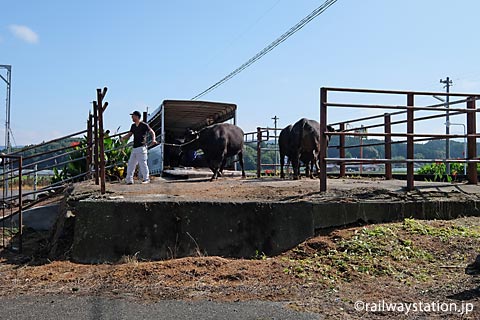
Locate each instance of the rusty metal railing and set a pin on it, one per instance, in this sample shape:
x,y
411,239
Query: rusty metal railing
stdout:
x,y
264,135
11,204
409,109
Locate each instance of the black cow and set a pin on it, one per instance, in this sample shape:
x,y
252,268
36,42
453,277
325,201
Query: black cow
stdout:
x,y
284,146
304,145
218,142
285,151
172,153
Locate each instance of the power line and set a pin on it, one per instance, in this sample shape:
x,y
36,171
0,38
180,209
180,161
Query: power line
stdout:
x,y
315,13
240,35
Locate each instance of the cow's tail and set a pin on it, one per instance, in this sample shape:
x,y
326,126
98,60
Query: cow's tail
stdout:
x,y
301,135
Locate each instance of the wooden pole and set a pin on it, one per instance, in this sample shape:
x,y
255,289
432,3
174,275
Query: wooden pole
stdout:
x,y
89,144
101,108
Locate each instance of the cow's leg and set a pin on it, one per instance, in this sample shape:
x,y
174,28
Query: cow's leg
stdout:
x,y
296,166
215,164
215,173
312,162
282,162
211,165
240,160
307,169
317,169
220,171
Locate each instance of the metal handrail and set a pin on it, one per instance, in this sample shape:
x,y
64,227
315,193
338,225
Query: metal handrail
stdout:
x,y
48,142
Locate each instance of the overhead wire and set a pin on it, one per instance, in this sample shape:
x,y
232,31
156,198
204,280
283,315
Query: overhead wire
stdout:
x,y
240,35
302,23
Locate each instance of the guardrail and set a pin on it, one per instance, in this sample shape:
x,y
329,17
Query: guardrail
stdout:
x,y
22,167
259,137
12,204
409,134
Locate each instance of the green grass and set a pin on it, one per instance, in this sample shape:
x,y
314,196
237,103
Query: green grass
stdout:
x,y
404,251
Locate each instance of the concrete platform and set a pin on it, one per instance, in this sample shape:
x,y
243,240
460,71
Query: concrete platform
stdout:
x,y
241,218
40,218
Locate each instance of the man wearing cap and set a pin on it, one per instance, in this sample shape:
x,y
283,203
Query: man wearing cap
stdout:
x,y
139,130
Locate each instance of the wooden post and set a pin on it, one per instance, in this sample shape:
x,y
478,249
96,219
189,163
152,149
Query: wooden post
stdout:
x,y
410,145
323,140
388,146
89,144
471,141
259,152
342,150
95,145
101,108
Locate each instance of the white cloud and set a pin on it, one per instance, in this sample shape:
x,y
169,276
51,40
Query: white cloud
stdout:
x,y
24,33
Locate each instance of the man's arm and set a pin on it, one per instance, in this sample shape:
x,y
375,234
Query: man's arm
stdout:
x,y
126,137
152,133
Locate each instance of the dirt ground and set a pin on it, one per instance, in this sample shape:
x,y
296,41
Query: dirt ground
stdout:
x,y
275,189
406,262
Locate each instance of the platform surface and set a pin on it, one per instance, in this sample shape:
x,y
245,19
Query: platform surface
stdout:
x,y
271,189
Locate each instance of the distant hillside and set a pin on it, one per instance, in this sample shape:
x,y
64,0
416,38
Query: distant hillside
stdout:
x,y
431,150
434,149
41,149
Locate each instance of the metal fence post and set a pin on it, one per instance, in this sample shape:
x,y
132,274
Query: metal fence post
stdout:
x,y
323,139
20,204
342,150
35,182
471,141
259,152
95,139
388,146
410,145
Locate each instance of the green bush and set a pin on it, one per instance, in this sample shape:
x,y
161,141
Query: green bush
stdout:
x,y
116,158
439,170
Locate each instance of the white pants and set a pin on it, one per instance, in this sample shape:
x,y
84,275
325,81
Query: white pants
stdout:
x,y
138,156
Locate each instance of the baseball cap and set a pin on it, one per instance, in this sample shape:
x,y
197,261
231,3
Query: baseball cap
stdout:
x,y
136,113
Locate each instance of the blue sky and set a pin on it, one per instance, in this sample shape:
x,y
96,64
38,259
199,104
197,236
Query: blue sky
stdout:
x,y
148,51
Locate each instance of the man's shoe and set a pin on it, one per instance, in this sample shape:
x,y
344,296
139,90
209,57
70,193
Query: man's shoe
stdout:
x,y
128,182
145,181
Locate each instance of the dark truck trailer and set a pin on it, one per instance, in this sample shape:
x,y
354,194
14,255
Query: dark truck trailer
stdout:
x,y
173,118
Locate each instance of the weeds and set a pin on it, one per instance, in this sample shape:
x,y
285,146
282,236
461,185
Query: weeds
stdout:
x,y
394,250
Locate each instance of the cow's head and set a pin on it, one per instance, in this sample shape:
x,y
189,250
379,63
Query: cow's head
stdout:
x,y
191,140
330,129
191,135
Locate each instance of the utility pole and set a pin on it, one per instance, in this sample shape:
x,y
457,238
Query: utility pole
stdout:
x,y
8,81
275,119
447,82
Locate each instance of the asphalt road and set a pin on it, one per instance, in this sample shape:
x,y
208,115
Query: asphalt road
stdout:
x,y
96,308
